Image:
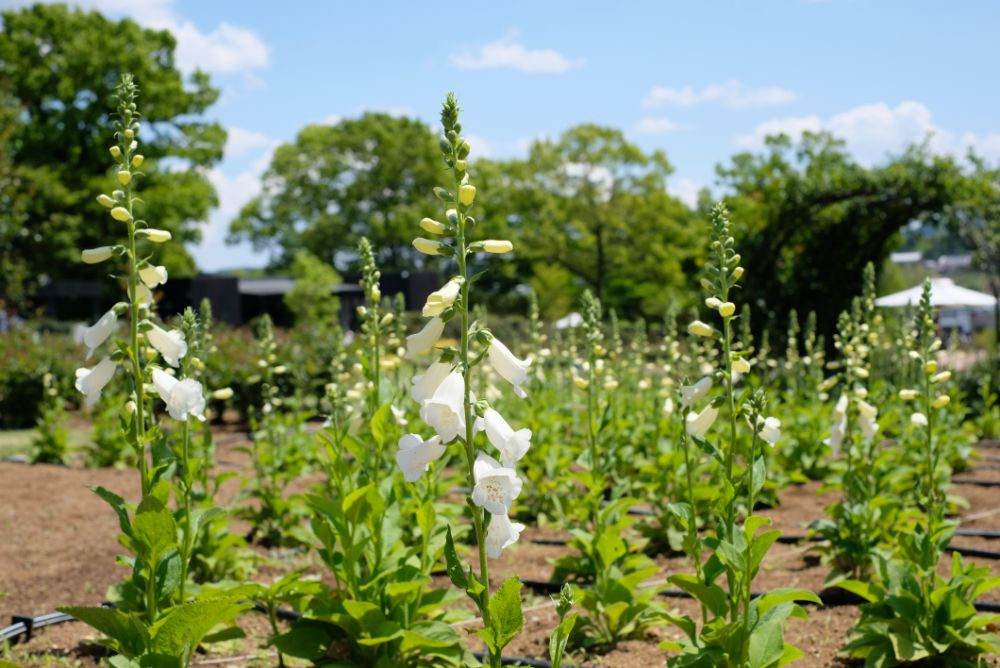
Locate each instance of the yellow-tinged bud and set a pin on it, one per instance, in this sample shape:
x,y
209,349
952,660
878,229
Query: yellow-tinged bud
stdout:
x,y
121,214
376,294
737,273
941,401
129,134
115,152
713,303
156,236
460,165
698,328
104,200
861,372
223,394
941,377
467,194
432,226
95,255
124,177
580,382
137,161
908,395
931,366
497,246
740,365
427,246
130,407
280,369
727,309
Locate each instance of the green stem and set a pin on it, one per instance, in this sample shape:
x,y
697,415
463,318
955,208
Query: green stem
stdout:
x,y
748,575
187,540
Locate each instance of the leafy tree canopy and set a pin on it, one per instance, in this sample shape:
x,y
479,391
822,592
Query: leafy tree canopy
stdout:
x,y
58,70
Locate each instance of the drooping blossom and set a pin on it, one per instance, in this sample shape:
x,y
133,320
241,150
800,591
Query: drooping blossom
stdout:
x,y
170,344
510,368
91,381
512,444
99,332
444,412
184,398
425,339
501,534
496,486
415,455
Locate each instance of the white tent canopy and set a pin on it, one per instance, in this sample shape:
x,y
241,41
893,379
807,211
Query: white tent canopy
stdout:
x,y
944,294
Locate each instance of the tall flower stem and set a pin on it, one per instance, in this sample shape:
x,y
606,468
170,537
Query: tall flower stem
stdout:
x,y
187,480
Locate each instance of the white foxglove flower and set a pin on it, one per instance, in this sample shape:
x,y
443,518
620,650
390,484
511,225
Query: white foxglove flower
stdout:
x,y
741,365
698,424
184,398
170,344
501,534
496,486
425,339
427,383
512,444
99,332
441,300
415,455
445,411
143,295
96,255
868,425
692,394
918,420
511,369
837,433
668,406
770,429
840,409
153,276
91,381
867,410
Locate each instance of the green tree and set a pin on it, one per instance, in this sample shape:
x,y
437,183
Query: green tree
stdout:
x,y
596,206
812,217
362,177
311,299
59,67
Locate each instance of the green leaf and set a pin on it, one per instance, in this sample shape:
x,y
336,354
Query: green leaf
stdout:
x,y
865,590
154,529
712,596
778,596
610,547
179,631
118,504
127,631
367,613
306,640
381,422
454,566
506,617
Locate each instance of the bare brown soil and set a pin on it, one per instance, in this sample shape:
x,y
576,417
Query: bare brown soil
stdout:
x,y
58,547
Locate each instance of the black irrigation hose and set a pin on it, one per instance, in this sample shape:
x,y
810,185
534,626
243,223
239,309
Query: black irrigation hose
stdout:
x,y
517,661
975,481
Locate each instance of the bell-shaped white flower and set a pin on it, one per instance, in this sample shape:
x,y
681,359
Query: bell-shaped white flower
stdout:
x,y
153,276
143,295
425,339
865,409
511,369
99,332
444,412
698,424
170,344
496,486
917,419
425,384
501,534
512,444
441,300
770,429
184,398
837,433
692,394
415,455
91,381
868,425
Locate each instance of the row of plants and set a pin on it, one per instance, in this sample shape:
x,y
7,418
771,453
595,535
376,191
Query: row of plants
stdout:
x,y
439,448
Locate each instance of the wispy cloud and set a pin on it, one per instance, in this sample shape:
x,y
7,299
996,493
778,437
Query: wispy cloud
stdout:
x,y
240,141
731,93
507,53
872,131
655,125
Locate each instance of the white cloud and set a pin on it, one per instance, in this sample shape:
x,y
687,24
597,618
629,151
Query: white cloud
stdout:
x,y
226,49
240,141
731,93
506,53
873,130
655,125
480,147
686,190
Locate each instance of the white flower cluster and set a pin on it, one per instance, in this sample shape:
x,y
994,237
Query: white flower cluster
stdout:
x,y
440,391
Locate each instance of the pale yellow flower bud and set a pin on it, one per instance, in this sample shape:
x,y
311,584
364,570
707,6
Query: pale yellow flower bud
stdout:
x,y
467,194
427,246
130,407
941,401
432,226
931,366
497,246
137,161
941,377
727,309
580,382
104,200
737,273
698,328
96,255
740,365
908,395
121,214
115,152
124,177
713,303
156,236
376,294
223,394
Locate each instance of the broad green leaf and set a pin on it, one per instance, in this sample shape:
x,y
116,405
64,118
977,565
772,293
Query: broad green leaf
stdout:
x,y
865,590
118,504
381,422
306,640
712,596
610,547
154,528
127,631
778,596
454,566
179,631
505,613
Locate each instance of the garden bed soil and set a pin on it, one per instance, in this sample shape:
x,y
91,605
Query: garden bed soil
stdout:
x,y
59,547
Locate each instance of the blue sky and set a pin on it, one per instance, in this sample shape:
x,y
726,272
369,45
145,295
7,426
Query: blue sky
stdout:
x,y
701,80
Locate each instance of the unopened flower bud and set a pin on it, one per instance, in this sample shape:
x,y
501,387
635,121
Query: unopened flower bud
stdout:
x,y
918,420
156,236
95,255
104,200
941,401
386,320
432,226
280,369
124,177
740,365
580,382
713,303
137,161
467,194
130,407
362,311
941,377
121,214
497,246
115,152
907,395
698,328
427,246
223,394
376,294
931,366
727,309
737,273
